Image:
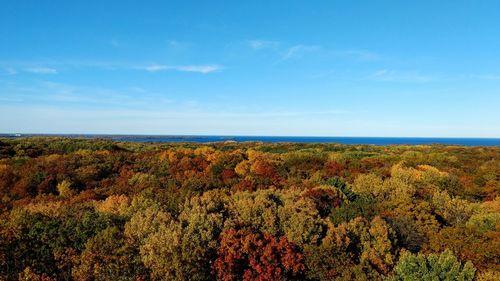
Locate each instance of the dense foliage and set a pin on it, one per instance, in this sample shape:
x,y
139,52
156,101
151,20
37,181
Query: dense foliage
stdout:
x,y
100,210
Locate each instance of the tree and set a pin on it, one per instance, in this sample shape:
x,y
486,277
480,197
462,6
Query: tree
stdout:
x,y
487,218
453,210
161,253
325,199
334,169
257,211
28,275
64,189
468,244
303,163
114,204
243,255
146,222
300,220
444,266
332,257
108,257
185,249
376,243
369,184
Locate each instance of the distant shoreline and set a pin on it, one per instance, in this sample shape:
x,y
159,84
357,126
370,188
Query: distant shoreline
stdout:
x,y
276,139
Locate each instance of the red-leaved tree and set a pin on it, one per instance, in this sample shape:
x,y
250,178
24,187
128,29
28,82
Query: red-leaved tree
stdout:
x,y
243,255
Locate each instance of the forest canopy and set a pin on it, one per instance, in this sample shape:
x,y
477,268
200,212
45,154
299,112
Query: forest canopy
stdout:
x,y
76,209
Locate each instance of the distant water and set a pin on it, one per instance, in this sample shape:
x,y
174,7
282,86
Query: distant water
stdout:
x,y
274,139
343,140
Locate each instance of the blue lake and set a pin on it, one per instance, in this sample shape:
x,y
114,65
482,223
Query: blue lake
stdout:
x,y
275,139
304,139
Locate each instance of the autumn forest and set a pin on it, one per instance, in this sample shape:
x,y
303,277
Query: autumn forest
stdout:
x,y
76,209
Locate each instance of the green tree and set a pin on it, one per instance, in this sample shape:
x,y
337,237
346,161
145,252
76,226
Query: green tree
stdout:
x,y
433,267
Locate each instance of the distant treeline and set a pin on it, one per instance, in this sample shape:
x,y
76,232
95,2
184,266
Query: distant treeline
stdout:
x,y
75,209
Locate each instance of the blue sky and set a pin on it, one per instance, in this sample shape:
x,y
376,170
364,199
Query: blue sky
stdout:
x,y
325,68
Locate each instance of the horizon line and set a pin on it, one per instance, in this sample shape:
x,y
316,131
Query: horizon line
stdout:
x,y
238,135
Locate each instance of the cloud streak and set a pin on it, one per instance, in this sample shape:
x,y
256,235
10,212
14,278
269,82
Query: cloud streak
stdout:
x,y
299,51
204,69
263,44
50,68
42,70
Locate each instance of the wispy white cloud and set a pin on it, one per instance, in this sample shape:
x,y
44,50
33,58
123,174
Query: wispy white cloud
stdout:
x,y
198,68
388,75
42,70
154,67
183,68
263,44
287,52
50,66
299,51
